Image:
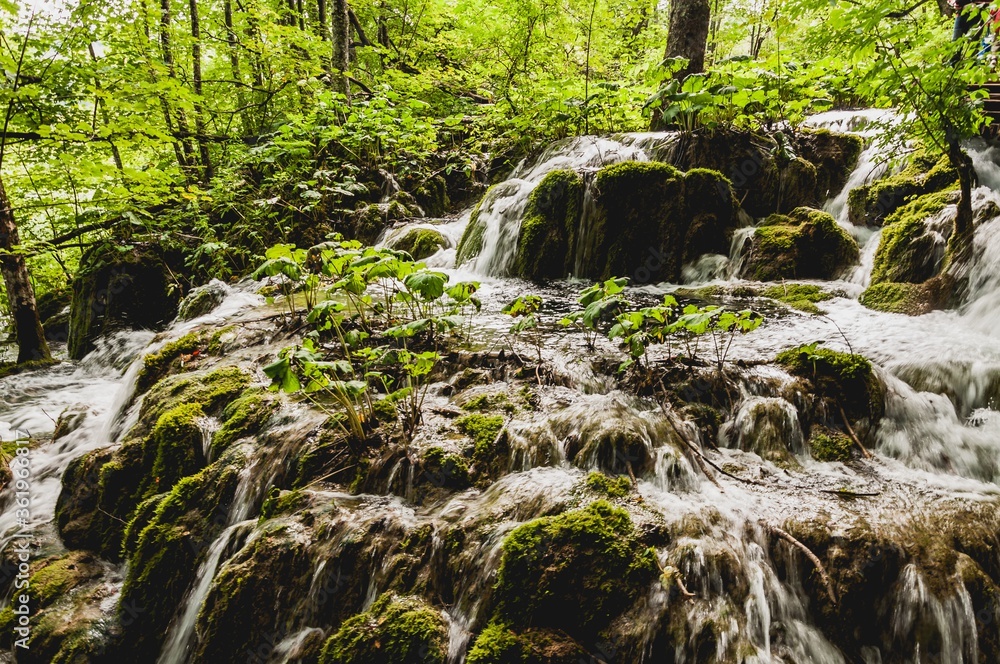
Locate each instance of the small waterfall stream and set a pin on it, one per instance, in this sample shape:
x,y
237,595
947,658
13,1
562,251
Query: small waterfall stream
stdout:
x,y
940,436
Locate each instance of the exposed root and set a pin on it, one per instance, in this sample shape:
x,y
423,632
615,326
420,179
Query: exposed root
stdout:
x,y
817,563
854,436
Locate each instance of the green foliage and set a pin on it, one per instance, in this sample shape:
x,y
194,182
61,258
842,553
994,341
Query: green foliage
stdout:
x,y
601,303
524,309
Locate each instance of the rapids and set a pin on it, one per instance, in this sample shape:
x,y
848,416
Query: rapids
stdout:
x,y
939,440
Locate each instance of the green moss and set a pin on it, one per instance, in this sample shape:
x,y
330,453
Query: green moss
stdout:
x,y
156,365
488,401
906,251
548,229
245,416
15,368
471,243
483,429
177,440
619,487
575,571
925,173
848,379
279,502
910,299
212,390
829,445
396,630
445,470
799,296
421,243
805,244
499,644
141,517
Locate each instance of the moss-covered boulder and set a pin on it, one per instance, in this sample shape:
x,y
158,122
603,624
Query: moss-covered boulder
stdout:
x,y
909,251
830,445
549,228
803,297
834,155
396,630
121,287
66,623
499,644
421,243
202,300
805,244
102,490
909,299
651,217
233,620
846,380
168,550
573,572
924,173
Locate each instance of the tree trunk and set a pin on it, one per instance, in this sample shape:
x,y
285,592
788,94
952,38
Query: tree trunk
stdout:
x,y
164,106
960,243
321,19
31,344
341,47
168,60
199,108
687,38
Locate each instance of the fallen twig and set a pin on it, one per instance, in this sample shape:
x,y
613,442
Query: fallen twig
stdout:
x,y
817,563
854,436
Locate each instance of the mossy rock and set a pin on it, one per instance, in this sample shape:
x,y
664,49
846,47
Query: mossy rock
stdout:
x,y
499,644
471,243
432,195
573,572
617,487
769,428
54,311
909,252
163,563
448,471
634,199
66,625
830,445
118,288
76,514
549,229
244,416
805,244
848,380
909,299
925,173
202,300
396,630
797,183
233,620
421,243
833,154
799,296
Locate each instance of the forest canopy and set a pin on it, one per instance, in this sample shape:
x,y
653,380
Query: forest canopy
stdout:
x,y
218,127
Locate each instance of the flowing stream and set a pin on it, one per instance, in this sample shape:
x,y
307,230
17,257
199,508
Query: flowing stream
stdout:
x,y
940,436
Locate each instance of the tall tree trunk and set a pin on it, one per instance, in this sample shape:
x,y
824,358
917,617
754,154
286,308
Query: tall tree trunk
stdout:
x,y
321,28
168,60
115,153
234,65
199,108
341,47
687,38
31,344
164,105
960,243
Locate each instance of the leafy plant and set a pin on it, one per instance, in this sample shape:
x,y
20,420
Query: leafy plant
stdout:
x,y
601,303
525,310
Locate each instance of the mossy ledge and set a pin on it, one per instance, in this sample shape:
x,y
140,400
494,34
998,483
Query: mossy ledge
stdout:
x,y
804,244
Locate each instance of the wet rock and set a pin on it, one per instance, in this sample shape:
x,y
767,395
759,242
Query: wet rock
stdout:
x,y
70,420
118,289
829,445
834,155
843,380
925,173
498,644
910,249
766,426
421,243
805,244
909,299
202,300
471,243
549,227
572,572
396,630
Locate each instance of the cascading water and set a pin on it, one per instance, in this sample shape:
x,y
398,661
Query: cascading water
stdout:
x,y
743,593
